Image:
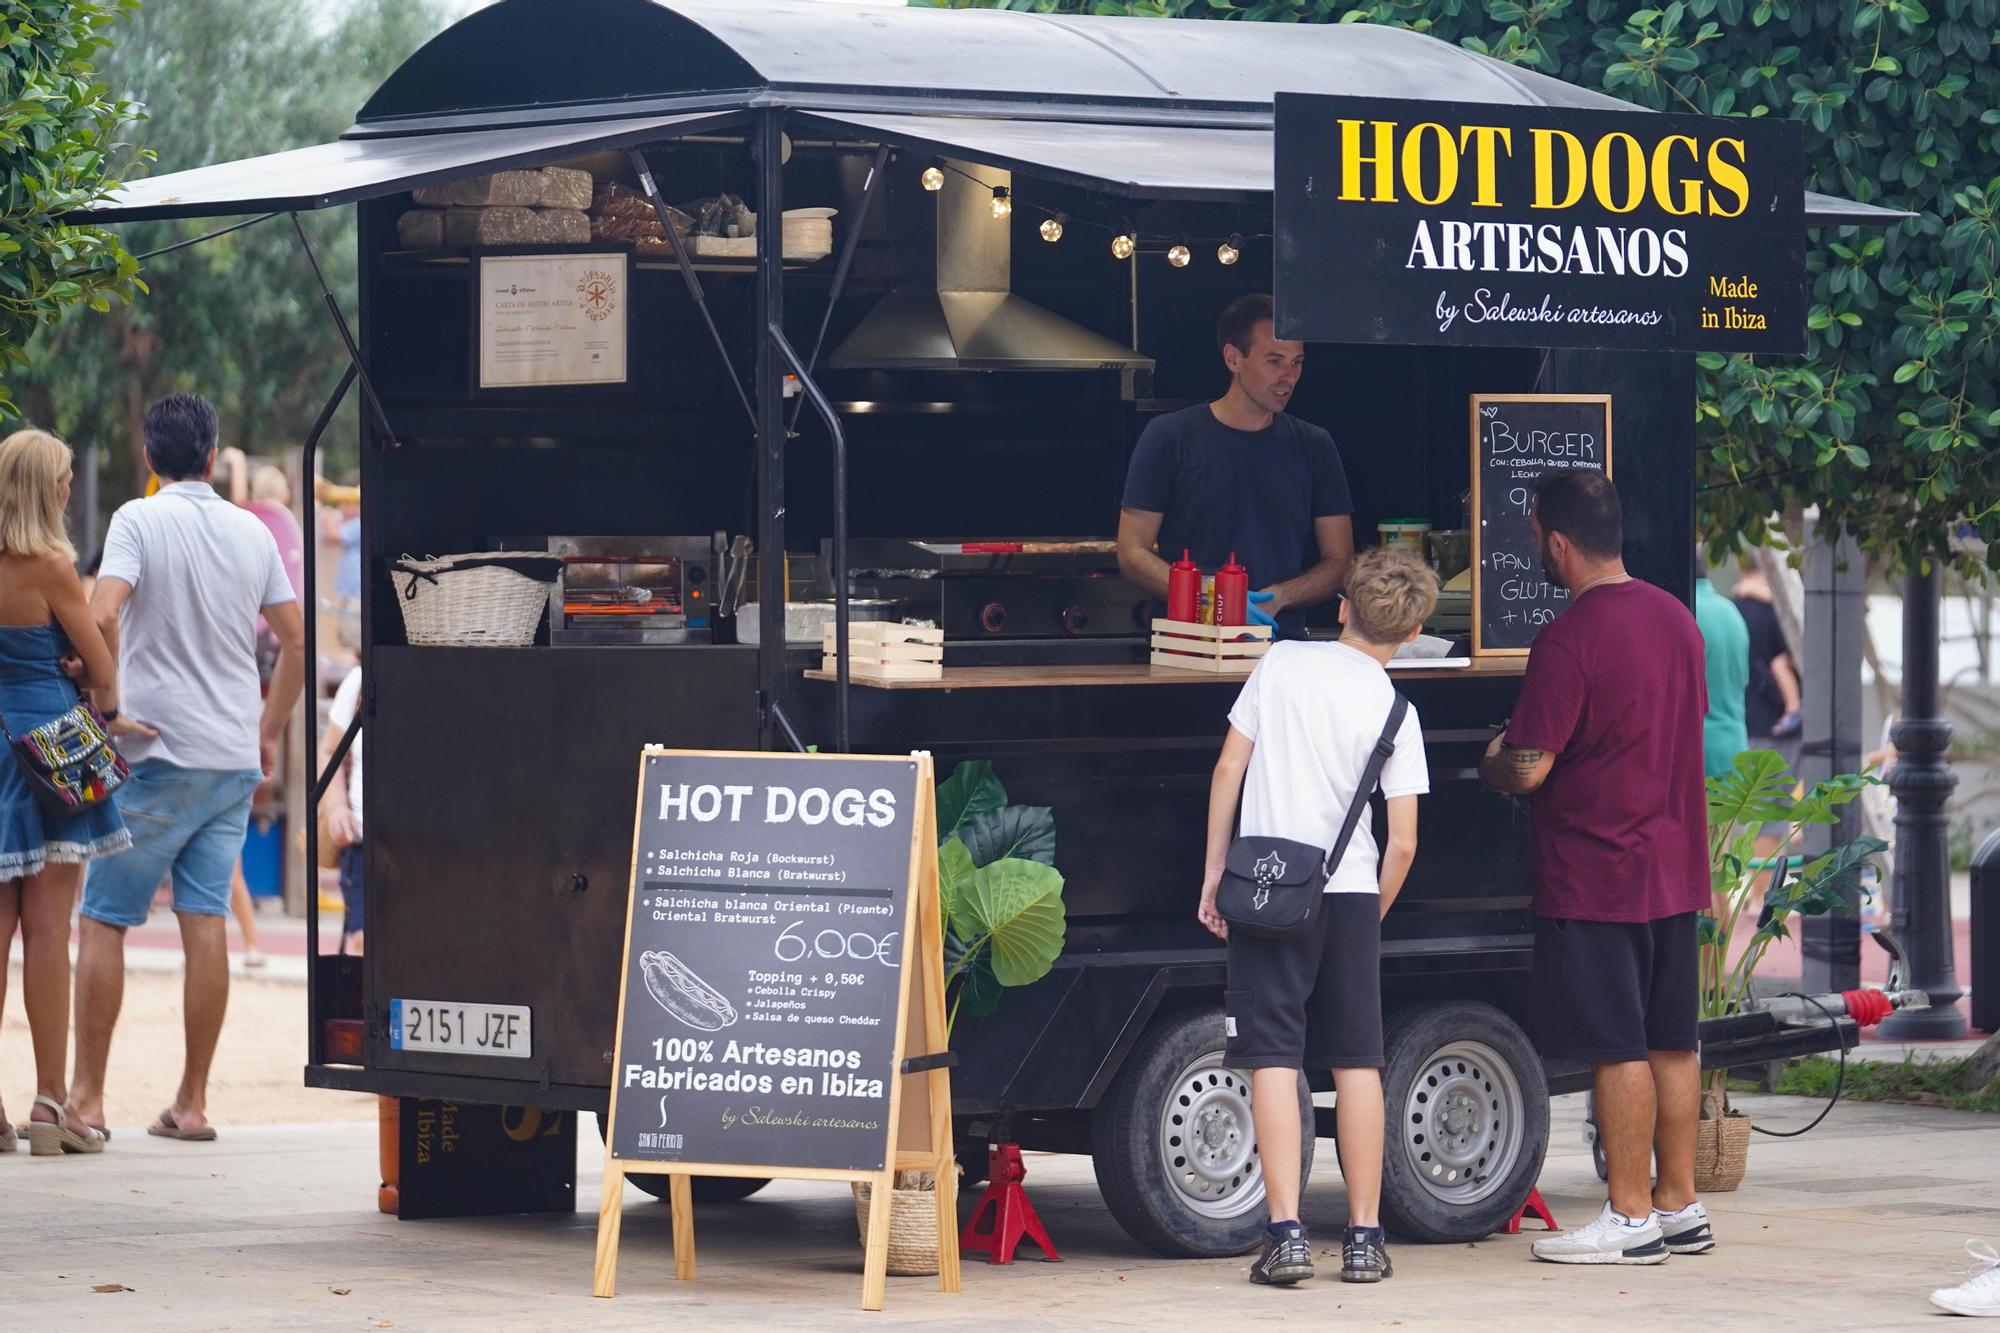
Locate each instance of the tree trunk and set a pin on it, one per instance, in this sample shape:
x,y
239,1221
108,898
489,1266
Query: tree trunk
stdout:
x,y
1985,1066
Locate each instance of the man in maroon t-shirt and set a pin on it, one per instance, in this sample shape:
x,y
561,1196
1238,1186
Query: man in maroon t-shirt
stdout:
x,y
1607,735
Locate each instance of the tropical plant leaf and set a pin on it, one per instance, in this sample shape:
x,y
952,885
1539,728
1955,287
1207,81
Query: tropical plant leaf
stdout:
x,y
978,989
1756,790
955,867
970,790
1707,930
1024,831
1821,884
1017,906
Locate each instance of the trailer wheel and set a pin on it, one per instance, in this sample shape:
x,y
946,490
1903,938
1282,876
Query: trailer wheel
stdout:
x,y
701,1189
1174,1147
1468,1121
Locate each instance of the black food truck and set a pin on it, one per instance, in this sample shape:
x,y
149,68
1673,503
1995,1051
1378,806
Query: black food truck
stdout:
x,y
921,405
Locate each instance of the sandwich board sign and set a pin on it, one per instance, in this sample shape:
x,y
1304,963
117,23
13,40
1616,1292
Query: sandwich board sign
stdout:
x,y
783,960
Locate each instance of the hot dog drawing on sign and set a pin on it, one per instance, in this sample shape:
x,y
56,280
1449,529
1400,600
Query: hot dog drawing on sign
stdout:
x,y
676,989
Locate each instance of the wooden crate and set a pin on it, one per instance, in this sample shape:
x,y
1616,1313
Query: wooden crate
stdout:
x,y
879,650
1221,650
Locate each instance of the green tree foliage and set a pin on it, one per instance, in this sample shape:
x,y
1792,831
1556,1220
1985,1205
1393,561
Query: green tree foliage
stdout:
x,y
59,150
1891,421
238,318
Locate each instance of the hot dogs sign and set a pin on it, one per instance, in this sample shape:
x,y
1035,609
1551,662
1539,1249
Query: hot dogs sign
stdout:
x,y
765,960
1537,227
782,1012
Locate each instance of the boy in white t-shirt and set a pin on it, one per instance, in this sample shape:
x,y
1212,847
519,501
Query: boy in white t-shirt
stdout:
x,y
1299,740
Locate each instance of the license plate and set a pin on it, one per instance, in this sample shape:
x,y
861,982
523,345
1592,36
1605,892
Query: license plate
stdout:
x,y
461,1029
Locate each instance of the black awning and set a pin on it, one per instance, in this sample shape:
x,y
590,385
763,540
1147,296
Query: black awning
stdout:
x,y
1161,162
348,170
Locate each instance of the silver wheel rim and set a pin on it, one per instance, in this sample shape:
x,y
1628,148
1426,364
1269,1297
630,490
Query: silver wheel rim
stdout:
x,y
1463,1122
1208,1143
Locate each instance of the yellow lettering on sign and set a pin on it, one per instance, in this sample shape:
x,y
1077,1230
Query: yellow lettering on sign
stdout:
x,y
1383,159
1728,176
1664,183
1545,142
1604,172
1485,170
1413,163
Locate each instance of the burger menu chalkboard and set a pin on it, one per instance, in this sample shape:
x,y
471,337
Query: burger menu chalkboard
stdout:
x,y
1515,439
769,926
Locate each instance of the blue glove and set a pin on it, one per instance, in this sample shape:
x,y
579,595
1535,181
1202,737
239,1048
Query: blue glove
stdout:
x,y
1259,616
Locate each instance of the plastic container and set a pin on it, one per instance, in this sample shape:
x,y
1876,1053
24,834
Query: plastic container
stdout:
x,y
1232,594
1411,532
1183,589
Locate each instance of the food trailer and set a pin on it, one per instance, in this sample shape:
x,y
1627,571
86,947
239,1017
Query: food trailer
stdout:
x,y
924,410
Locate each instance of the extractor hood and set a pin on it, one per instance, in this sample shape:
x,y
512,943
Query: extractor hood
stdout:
x,y
952,308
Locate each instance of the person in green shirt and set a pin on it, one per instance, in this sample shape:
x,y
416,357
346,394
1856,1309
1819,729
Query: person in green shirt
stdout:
x,y
1727,640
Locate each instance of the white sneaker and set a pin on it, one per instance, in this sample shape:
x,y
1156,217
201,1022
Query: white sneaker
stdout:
x,y
1687,1231
1978,1294
1612,1239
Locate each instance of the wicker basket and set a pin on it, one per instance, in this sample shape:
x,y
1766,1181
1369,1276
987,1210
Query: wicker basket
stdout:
x,y
482,598
913,1227
1721,1152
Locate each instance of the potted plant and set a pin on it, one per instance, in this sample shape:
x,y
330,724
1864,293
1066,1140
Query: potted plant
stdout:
x,y
1000,897
1761,895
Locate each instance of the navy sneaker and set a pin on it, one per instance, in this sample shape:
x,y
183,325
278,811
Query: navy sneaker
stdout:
x,y
1364,1257
1287,1258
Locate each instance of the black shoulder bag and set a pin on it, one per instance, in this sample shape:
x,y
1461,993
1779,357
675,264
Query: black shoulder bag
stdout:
x,y
1271,886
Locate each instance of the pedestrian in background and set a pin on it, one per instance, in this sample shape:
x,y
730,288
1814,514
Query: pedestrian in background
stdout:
x,y
184,578
1607,735
342,799
1725,645
44,618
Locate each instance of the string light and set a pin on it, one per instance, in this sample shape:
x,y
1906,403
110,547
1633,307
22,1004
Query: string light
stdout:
x,y
1178,256
1230,250
1122,245
933,179
1052,228
1003,203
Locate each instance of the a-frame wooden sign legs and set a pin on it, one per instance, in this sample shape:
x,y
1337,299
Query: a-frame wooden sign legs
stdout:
x,y
919,1135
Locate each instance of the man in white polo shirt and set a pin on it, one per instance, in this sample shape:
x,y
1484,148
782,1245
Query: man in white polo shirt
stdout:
x,y
185,576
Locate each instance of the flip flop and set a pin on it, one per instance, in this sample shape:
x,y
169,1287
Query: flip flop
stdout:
x,y
166,1128
10,1139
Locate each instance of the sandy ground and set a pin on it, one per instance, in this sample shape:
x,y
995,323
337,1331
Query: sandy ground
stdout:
x,y
256,1080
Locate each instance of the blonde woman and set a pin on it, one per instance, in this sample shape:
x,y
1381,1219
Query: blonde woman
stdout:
x,y
43,618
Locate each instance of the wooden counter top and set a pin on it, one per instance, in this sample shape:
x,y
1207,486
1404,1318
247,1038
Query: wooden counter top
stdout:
x,y
1139,673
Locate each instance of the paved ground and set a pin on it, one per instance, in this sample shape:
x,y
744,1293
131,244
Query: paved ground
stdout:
x,y
1846,1228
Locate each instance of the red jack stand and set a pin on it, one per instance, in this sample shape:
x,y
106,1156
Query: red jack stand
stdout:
x,y
1006,1209
1533,1204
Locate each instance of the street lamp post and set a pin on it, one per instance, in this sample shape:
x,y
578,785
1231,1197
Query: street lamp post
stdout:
x,y
1923,782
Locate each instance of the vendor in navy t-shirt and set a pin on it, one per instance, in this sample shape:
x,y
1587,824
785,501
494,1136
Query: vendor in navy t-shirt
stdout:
x,y
1238,475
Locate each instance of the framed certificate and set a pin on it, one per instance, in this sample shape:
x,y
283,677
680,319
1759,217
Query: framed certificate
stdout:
x,y
552,319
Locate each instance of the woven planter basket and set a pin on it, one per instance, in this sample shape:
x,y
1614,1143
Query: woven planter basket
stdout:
x,y
479,599
1721,1152
913,1228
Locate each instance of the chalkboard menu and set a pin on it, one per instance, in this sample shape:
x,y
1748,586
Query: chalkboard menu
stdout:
x,y
770,924
1515,439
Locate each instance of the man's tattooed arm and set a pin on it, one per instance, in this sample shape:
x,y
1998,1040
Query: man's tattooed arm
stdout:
x,y
1514,770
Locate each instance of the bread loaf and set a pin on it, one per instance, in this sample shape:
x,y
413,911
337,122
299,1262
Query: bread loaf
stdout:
x,y
544,187
563,226
501,225
421,229
566,188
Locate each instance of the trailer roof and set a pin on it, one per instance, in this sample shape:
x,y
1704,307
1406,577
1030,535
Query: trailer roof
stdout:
x,y
1145,108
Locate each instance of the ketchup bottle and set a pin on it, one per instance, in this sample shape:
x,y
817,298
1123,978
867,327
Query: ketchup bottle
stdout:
x,y
1232,594
1183,585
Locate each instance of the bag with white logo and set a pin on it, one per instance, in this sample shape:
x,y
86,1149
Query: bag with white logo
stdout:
x,y
1271,887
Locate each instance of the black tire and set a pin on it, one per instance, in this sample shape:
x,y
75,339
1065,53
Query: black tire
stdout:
x,y
1134,1121
701,1189
1468,1121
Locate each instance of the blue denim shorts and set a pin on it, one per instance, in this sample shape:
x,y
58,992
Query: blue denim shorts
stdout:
x,y
187,821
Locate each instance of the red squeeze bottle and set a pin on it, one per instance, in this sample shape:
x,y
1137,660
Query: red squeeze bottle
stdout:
x,y
1183,587
1232,594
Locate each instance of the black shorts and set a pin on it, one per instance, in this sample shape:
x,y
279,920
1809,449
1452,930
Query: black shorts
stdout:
x,y
351,887
1313,1001
1610,991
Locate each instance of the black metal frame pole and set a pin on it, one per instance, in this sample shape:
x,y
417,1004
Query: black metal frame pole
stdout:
x,y
315,1048
771,433
1923,782
688,275
811,390
346,337
876,175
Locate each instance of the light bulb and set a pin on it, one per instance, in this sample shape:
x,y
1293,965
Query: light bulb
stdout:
x,y
1227,252
1002,204
933,179
1178,256
1052,229
1122,246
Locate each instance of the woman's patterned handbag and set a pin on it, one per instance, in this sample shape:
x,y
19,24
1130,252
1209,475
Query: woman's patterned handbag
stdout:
x,y
69,761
